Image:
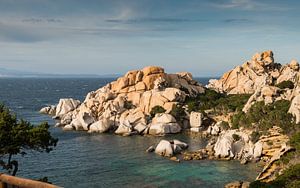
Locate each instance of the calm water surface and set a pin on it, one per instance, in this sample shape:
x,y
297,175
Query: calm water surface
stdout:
x,y
103,160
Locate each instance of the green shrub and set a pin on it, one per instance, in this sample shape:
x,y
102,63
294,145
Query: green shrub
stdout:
x,y
236,137
221,103
290,177
224,125
295,141
258,184
285,159
157,110
178,112
255,135
266,116
286,85
270,143
128,105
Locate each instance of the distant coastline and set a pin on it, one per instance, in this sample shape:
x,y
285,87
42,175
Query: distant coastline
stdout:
x,y
9,73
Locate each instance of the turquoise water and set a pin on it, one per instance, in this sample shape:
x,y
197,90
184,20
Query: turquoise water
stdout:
x,y
104,160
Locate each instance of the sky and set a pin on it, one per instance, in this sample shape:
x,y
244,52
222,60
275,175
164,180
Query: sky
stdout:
x,y
204,37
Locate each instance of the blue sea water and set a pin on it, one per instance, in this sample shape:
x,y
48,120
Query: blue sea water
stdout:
x,y
104,160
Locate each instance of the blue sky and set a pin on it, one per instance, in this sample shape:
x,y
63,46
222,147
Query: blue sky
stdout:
x,y
204,37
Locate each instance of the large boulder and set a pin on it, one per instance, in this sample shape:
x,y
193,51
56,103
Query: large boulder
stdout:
x,y
163,118
196,119
295,108
290,72
164,148
164,128
223,146
163,124
227,147
257,151
66,105
152,70
49,110
169,148
101,126
125,128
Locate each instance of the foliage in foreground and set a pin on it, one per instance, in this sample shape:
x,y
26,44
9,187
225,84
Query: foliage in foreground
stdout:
x,y
19,137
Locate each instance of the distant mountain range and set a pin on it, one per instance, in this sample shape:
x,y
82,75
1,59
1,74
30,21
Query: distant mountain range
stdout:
x,y
9,73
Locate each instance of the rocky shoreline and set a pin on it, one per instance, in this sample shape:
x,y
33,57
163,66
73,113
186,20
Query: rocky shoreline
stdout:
x,y
152,102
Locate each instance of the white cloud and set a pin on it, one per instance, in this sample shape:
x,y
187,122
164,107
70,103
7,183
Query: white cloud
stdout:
x,y
251,5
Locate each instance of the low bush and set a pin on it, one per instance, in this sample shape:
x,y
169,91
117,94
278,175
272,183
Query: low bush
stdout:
x,y
255,135
285,85
219,102
236,137
128,105
295,141
224,125
178,112
157,110
263,117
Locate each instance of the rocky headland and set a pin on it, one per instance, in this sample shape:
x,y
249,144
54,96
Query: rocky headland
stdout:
x,y
250,114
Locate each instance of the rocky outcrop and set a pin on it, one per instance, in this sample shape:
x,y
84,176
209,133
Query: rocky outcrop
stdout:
x,y
66,105
260,71
130,98
271,169
227,146
289,72
267,94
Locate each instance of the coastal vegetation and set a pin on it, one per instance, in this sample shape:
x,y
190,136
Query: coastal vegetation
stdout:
x,y
17,137
290,178
220,103
244,114
287,84
262,117
156,110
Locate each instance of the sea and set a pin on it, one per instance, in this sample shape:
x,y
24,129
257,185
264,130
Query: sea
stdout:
x,y
81,159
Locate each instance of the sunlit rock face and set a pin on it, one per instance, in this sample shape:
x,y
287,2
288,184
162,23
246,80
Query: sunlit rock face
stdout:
x,y
128,101
260,71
